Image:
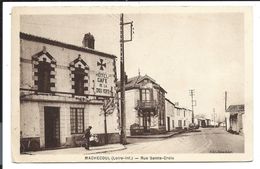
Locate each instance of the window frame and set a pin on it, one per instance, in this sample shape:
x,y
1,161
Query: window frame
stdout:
x,y
79,75
145,93
179,123
44,67
76,120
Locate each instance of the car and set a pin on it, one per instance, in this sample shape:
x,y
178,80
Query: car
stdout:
x,y
193,126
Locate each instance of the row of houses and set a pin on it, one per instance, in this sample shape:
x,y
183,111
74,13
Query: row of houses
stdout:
x,y
148,111
66,88
177,117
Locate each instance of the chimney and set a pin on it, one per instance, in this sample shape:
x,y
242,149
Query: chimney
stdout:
x,y
88,41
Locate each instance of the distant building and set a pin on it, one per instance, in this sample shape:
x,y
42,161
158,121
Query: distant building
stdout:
x,y
170,115
145,106
62,91
177,117
236,118
203,122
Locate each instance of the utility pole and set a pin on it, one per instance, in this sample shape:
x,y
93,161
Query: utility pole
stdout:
x,y
122,76
226,120
193,103
214,117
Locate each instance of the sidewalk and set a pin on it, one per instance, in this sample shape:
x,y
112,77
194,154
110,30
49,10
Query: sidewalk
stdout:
x,y
81,150
166,135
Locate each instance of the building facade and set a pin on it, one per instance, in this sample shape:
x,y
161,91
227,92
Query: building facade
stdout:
x,y
170,115
183,117
236,118
145,106
63,88
177,117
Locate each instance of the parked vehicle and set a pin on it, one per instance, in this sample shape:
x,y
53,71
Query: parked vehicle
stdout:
x,y
193,126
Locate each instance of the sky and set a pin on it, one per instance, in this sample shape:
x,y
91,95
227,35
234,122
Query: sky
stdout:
x,y
181,51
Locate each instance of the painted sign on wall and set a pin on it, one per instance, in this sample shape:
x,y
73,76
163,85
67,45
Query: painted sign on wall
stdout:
x,y
102,84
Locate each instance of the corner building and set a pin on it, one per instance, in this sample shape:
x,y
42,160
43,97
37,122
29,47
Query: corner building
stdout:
x,y
62,91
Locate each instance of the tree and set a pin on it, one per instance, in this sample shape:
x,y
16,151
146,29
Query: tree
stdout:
x,y
107,109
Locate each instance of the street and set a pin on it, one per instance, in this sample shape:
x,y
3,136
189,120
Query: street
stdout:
x,y
205,140
208,140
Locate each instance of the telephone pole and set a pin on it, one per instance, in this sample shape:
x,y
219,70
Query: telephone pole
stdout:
x,y
214,117
193,103
122,76
226,120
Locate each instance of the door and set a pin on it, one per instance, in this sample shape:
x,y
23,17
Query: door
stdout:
x,y
52,127
146,121
168,123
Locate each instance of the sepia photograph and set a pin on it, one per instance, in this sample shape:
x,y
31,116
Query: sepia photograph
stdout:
x,y
147,84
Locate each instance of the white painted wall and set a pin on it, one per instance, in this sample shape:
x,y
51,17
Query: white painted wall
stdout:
x,y
131,97
227,116
170,112
30,119
64,57
96,120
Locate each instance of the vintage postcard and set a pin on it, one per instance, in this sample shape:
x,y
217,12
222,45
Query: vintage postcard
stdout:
x,y
132,84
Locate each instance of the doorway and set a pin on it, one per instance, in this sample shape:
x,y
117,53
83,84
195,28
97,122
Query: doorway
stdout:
x,y
52,126
168,123
146,121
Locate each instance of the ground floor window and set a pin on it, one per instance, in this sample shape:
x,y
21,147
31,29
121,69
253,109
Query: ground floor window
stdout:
x,y
179,123
77,120
172,123
184,122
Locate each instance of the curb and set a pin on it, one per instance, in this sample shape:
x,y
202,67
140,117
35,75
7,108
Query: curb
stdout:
x,y
167,136
106,151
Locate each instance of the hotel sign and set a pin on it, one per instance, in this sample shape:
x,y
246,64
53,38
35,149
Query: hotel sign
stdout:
x,y
102,84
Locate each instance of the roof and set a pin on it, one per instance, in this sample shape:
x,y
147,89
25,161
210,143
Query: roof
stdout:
x,y
34,38
134,82
236,108
170,101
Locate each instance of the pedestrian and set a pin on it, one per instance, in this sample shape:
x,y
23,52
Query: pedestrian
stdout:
x,y
87,136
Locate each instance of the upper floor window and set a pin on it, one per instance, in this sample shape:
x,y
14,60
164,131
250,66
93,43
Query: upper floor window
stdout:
x,y
146,94
44,71
79,81
44,76
79,76
178,112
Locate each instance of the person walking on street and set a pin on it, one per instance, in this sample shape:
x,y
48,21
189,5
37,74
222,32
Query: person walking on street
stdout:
x,y
87,136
